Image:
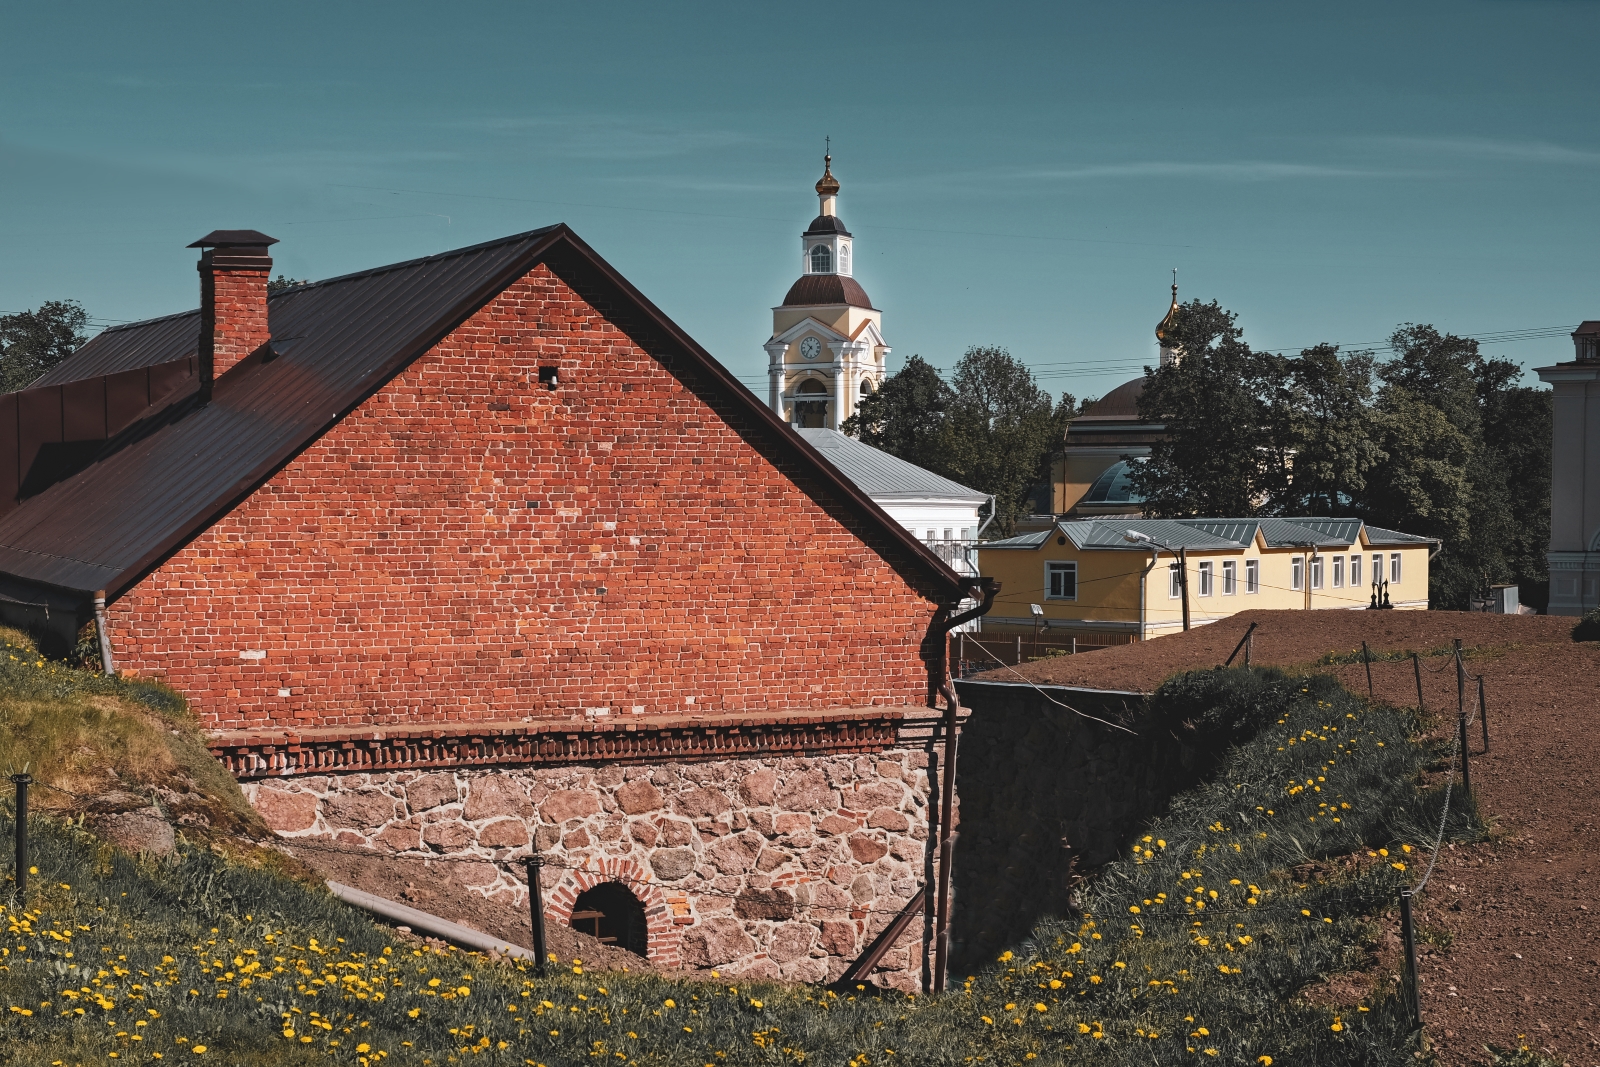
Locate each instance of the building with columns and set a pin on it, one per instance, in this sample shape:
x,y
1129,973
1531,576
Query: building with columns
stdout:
x,y
827,349
1574,554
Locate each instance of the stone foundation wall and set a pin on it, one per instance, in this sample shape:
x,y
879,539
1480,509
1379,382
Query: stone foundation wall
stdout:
x,y
766,868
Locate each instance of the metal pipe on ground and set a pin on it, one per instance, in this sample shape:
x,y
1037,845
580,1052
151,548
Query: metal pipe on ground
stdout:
x,y
22,781
882,943
422,922
103,632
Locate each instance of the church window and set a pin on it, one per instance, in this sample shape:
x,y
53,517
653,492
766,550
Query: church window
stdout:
x,y
811,412
844,259
821,259
866,387
811,385
1061,581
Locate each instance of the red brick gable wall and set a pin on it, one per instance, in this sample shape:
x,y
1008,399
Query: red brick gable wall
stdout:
x,y
468,545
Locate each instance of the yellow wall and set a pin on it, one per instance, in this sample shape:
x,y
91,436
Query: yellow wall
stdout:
x,y
1108,585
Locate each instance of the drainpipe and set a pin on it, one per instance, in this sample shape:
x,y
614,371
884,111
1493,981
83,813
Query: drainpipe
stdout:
x,y
941,926
984,525
101,630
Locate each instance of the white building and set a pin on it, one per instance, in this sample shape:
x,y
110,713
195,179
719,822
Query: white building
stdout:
x,y
946,515
1574,554
827,348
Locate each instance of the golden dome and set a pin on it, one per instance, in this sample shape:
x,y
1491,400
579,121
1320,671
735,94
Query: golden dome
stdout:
x,y
1164,327
828,185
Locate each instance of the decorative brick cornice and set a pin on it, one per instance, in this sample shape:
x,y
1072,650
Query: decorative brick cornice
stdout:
x,y
285,753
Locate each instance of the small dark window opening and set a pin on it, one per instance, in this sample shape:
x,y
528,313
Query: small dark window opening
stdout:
x,y
549,377
1061,540
613,915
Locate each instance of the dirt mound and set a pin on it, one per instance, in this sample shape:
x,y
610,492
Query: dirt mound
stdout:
x,y
1510,929
1284,638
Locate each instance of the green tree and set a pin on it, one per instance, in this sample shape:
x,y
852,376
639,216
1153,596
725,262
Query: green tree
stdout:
x,y
1440,478
32,342
908,416
1517,425
1331,430
281,284
1003,430
1228,420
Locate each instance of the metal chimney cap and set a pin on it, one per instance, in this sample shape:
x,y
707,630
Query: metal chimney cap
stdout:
x,y
234,239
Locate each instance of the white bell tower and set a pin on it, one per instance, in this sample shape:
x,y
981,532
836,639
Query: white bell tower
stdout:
x,y
827,349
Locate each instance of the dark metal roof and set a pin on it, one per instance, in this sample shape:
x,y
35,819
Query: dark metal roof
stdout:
x,y
138,344
144,498
1114,486
826,289
824,224
1377,535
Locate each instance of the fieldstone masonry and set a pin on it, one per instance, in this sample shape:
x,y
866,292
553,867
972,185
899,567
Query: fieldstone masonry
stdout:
x,y
781,868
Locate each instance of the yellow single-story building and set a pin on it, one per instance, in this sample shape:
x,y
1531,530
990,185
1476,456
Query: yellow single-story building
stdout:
x,y
1111,580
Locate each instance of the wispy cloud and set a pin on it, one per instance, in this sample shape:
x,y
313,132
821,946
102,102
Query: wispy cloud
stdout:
x,y
602,137
1489,148
1240,171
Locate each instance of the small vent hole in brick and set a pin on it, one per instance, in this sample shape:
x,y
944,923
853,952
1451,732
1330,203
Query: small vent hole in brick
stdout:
x,y
549,377
612,914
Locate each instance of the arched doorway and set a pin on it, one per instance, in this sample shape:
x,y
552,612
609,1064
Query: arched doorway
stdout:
x,y
612,914
812,411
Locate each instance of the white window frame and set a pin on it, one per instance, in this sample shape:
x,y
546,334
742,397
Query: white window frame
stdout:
x,y
1055,567
1355,571
1297,573
1230,577
1205,577
1394,568
1338,572
1316,571
827,259
1377,566
1252,576
1174,581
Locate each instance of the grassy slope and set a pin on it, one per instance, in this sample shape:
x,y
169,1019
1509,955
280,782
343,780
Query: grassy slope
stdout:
x,y
1191,948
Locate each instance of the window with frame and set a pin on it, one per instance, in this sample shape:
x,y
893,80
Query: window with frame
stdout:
x,y
1377,566
1355,571
1252,576
821,259
1338,572
1230,578
1061,581
1175,586
1205,578
1297,573
1394,568
1316,572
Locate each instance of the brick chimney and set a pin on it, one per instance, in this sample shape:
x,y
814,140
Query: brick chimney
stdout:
x,y
234,268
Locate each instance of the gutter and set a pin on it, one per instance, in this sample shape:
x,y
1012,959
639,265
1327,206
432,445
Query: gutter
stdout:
x,y
422,922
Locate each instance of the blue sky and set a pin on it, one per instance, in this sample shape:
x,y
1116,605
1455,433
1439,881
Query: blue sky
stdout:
x,y
1015,174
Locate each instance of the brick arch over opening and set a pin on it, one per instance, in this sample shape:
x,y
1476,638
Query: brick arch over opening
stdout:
x,y
661,933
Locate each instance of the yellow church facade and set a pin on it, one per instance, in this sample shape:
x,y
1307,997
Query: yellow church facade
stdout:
x,y
1111,580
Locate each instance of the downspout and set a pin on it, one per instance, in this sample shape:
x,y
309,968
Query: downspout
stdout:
x,y
984,525
102,632
941,927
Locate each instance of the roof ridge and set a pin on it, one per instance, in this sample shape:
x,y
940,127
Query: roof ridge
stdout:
x,y
372,272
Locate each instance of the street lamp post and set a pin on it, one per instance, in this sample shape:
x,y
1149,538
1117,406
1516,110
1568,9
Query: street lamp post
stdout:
x,y
1135,537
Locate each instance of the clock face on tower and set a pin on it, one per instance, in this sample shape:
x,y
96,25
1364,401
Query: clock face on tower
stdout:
x,y
811,348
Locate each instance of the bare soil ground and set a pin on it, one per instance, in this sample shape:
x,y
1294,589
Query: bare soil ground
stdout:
x,y
445,888
1510,928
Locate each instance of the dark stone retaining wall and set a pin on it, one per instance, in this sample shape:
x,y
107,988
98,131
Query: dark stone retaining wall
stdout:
x,y
1047,795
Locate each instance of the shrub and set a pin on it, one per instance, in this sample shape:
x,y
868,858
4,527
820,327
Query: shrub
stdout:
x,y
1588,627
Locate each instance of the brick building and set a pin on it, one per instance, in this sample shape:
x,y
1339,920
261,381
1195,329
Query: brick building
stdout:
x,y
480,550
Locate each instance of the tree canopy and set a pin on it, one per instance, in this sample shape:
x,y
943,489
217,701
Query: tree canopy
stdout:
x,y
32,342
1436,441
990,427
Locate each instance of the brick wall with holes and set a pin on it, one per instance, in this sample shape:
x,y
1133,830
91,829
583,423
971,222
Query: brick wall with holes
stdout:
x,y
471,545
